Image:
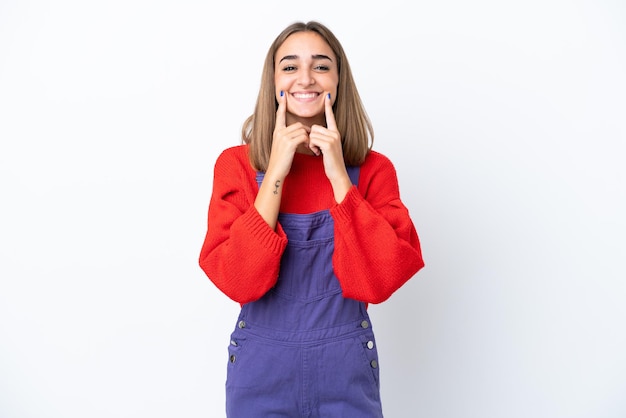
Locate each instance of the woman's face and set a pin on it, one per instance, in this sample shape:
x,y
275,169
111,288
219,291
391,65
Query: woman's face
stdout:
x,y
306,71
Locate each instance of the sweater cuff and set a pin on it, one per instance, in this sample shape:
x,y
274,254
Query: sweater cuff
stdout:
x,y
274,241
343,211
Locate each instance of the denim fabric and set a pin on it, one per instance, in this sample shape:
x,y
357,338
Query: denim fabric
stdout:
x,y
303,350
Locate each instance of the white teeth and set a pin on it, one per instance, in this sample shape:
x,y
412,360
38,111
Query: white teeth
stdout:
x,y
304,95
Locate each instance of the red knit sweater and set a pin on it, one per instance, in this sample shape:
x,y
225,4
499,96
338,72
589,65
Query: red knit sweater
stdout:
x,y
376,246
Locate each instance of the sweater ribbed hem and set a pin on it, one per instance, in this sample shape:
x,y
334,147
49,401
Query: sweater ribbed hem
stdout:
x,y
342,212
274,241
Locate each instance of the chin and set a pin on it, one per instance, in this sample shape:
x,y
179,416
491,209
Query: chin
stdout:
x,y
308,115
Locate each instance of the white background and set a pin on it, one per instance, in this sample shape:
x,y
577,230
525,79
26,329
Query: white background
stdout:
x,y
505,121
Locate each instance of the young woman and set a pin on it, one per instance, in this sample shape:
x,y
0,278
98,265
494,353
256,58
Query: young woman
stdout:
x,y
305,228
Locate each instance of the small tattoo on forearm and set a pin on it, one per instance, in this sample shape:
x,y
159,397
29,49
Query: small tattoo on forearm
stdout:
x,y
277,186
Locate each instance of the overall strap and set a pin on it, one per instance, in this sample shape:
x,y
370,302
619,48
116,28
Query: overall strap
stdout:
x,y
259,178
353,173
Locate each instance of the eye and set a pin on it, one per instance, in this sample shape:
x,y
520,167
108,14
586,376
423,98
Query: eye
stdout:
x,y
322,68
289,68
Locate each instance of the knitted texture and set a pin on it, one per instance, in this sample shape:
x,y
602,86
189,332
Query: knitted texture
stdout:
x,y
377,248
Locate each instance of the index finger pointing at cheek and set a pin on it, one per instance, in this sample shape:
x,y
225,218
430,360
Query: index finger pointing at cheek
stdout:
x,y
331,124
282,109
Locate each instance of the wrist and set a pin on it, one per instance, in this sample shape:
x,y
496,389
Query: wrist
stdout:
x,y
341,187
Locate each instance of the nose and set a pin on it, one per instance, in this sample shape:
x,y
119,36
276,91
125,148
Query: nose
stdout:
x,y
306,78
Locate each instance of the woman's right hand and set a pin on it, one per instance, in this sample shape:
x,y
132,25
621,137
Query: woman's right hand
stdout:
x,y
284,144
285,141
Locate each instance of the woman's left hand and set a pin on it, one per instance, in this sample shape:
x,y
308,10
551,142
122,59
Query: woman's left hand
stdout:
x,y
327,141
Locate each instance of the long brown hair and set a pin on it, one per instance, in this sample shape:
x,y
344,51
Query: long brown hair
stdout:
x,y
355,127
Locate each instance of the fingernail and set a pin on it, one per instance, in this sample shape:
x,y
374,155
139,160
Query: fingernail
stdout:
x,y
329,95
282,93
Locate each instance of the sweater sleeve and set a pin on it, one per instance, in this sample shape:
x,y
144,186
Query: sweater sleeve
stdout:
x,y
377,248
241,253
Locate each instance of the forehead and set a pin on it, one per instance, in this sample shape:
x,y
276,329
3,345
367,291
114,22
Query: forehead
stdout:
x,y
304,44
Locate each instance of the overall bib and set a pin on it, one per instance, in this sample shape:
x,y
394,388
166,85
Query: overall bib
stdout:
x,y
303,350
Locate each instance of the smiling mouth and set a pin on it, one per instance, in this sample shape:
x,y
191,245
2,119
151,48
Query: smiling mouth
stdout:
x,y
305,95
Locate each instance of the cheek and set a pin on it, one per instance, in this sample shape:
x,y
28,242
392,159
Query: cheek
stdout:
x,y
333,86
280,84
281,79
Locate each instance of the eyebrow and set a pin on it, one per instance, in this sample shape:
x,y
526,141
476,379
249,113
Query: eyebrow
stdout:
x,y
315,57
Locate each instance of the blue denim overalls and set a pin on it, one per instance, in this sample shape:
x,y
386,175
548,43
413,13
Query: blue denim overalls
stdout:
x,y
303,350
